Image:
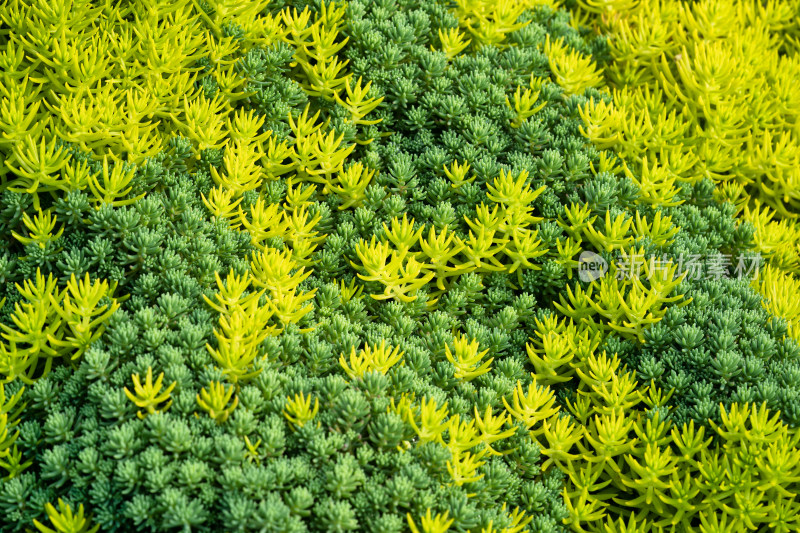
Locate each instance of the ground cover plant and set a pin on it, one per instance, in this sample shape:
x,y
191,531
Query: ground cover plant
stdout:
x,y
398,265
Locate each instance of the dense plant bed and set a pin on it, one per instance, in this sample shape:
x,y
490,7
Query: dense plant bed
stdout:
x,y
399,265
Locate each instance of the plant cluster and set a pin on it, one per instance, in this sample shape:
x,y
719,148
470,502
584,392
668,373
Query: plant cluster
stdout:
x,y
313,266
631,467
707,90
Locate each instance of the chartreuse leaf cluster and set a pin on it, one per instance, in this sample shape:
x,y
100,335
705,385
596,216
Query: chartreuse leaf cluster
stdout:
x,y
65,521
311,266
631,467
705,90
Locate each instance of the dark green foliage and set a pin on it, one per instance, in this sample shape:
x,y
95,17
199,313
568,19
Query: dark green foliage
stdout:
x,y
721,348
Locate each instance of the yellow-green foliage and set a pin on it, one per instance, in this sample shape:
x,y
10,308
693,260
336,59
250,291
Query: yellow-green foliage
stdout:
x,y
109,188
463,466
501,238
352,182
781,290
431,423
402,275
524,105
489,21
467,359
40,228
778,240
53,84
704,89
315,157
555,345
624,459
636,292
215,400
430,523
468,439
316,154
262,302
315,48
573,71
358,104
457,174
10,457
371,359
53,323
453,42
65,521
518,522
709,90
440,523
291,224
244,323
298,410
149,395
491,428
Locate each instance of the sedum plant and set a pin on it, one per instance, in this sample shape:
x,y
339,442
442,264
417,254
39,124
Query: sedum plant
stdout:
x,y
348,236
64,521
149,396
